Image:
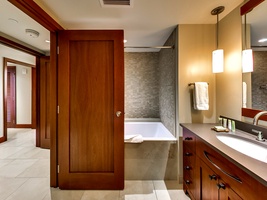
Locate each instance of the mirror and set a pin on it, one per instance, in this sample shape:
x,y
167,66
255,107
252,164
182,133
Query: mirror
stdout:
x,y
255,83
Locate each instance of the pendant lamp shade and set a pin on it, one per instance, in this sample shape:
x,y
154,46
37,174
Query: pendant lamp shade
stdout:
x,y
247,61
217,61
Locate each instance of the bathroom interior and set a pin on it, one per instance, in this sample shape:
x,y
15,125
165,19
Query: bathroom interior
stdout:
x,y
163,95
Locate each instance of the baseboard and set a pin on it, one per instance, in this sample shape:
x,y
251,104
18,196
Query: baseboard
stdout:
x,y
23,126
2,139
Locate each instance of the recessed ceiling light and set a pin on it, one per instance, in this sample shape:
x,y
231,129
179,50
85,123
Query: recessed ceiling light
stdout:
x,y
13,20
124,41
32,33
263,40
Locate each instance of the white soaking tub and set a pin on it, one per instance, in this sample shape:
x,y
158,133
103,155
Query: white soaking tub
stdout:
x,y
152,158
148,131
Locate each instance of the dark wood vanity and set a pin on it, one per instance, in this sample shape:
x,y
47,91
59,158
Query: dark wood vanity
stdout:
x,y
212,170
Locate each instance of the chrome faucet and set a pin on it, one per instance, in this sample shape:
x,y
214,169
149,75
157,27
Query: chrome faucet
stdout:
x,y
257,116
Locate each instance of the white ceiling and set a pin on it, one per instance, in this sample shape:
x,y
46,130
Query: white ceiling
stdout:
x,y
258,24
145,23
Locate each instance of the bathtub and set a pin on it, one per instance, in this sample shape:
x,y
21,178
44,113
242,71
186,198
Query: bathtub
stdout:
x,y
150,131
153,159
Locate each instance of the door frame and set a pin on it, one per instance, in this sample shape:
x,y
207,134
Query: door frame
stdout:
x,y
34,103
12,84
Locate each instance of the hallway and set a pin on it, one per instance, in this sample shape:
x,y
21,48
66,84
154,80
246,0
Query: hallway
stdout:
x,y
24,175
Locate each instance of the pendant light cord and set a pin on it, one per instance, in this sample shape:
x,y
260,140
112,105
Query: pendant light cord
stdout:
x,y
217,32
245,31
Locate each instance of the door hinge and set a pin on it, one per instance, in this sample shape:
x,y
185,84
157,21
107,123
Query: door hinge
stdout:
x,y
58,169
57,49
57,109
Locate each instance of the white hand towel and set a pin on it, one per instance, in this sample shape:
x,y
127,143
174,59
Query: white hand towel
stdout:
x,y
133,138
201,96
244,95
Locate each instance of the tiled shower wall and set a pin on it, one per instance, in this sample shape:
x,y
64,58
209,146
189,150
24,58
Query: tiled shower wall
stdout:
x,y
259,75
141,85
167,84
150,84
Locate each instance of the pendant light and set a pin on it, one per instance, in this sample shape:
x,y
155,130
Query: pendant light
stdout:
x,y
247,55
217,55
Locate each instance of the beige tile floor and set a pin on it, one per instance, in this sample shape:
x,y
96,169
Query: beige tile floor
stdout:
x,y
24,175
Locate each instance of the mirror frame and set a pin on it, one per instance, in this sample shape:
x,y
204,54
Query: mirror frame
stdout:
x,y
246,8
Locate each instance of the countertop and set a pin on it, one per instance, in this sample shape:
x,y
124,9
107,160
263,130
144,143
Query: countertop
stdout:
x,y
255,168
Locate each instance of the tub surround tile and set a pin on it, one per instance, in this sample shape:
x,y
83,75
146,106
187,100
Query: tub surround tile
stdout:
x,y
151,161
141,85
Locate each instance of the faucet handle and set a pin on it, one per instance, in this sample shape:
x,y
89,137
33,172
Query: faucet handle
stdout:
x,y
260,136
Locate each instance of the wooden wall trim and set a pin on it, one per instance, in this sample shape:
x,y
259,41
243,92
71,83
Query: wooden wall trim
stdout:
x,y
247,7
23,126
248,112
18,46
53,111
33,10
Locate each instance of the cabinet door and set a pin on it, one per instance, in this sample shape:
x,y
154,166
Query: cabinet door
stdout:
x,y
208,184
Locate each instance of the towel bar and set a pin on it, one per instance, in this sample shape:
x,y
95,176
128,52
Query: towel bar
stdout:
x,y
189,84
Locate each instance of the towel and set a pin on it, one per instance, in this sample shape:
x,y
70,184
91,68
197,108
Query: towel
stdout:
x,y
201,96
133,138
244,95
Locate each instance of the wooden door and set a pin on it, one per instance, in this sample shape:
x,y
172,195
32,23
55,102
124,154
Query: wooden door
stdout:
x,y
90,93
11,97
44,102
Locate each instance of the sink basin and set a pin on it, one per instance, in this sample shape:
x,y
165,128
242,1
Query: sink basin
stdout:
x,y
246,146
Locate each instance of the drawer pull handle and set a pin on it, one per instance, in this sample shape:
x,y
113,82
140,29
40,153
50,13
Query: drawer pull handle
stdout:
x,y
187,182
188,138
228,174
187,167
188,154
221,186
213,177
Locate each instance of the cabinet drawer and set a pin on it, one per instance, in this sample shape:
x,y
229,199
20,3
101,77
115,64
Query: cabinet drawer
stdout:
x,y
241,182
189,140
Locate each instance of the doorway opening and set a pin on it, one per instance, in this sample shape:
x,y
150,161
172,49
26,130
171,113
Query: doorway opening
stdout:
x,y
19,95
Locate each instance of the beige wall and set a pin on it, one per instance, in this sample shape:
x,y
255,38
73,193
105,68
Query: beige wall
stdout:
x,y
229,83
196,43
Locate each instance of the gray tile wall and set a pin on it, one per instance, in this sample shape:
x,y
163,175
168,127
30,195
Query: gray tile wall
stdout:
x,y
259,77
167,84
141,85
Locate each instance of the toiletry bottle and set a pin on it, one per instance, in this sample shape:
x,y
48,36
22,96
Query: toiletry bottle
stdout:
x,y
229,124
224,123
233,126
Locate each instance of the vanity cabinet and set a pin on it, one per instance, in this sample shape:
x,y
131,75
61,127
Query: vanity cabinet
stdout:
x,y
210,174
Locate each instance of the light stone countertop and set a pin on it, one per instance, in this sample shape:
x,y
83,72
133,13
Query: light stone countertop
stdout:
x,y
255,168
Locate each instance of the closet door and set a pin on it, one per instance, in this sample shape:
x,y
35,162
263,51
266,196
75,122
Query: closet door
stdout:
x,y
91,107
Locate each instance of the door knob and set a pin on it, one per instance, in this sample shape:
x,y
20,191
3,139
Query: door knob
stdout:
x,y
118,113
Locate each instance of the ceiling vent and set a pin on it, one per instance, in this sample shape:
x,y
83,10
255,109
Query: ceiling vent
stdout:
x,y
105,3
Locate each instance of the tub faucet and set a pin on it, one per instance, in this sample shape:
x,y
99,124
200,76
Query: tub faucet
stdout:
x,y
257,116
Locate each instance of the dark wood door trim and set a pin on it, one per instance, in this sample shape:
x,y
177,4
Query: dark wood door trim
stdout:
x,y
33,10
15,45
11,97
